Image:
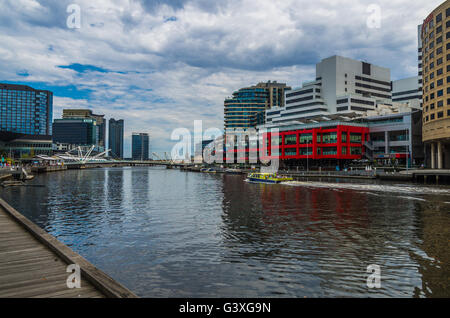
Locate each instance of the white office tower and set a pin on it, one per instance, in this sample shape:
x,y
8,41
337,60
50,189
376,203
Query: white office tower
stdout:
x,y
407,91
342,86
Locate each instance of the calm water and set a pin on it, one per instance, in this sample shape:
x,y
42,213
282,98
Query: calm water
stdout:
x,y
166,233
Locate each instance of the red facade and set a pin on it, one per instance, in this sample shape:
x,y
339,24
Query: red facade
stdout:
x,y
336,142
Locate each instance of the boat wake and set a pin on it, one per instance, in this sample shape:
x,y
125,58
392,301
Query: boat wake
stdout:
x,y
404,189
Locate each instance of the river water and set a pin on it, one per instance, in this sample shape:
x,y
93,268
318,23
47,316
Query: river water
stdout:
x,y
167,233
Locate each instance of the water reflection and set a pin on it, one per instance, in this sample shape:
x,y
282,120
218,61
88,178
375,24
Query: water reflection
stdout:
x,y
166,233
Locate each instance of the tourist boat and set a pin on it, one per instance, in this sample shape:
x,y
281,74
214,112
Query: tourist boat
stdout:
x,y
267,178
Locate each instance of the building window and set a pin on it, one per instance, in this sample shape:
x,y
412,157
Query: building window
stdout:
x,y
431,116
306,139
440,93
440,103
290,140
366,68
355,150
439,18
290,152
440,114
355,138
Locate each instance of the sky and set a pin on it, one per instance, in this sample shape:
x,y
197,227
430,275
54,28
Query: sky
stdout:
x,y
160,65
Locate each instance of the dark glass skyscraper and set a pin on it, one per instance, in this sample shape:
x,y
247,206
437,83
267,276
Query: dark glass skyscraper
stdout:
x,y
116,128
25,110
87,113
140,146
80,132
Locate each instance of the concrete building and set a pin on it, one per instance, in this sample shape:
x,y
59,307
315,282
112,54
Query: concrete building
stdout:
x,y
87,113
115,140
248,105
140,146
342,85
435,40
407,91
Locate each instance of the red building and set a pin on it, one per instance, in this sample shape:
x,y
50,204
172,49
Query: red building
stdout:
x,y
320,141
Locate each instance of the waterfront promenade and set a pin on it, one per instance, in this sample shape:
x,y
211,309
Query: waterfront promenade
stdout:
x,y
33,264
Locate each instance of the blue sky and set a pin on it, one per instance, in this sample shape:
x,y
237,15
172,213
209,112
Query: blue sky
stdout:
x,y
160,65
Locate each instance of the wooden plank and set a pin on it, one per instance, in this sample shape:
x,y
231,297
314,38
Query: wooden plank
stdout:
x,y
33,263
74,293
20,276
32,267
55,285
16,256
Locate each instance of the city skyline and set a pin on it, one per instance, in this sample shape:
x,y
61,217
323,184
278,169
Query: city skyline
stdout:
x,y
147,76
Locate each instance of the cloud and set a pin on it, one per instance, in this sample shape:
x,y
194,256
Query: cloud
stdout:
x,y
161,65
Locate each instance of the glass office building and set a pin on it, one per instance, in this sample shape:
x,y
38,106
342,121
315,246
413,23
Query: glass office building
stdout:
x,y
247,106
241,109
80,132
88,114
116,128
140,146
25,121
25,110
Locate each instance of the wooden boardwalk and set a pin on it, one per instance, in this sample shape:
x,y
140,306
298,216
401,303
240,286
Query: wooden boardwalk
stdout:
x,y
33,264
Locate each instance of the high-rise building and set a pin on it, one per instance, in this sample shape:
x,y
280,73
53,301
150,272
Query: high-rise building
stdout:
x,y
87,113
76,131
419,41
248,105
26,116
342,85
115,140
435,40
140,144
25,110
